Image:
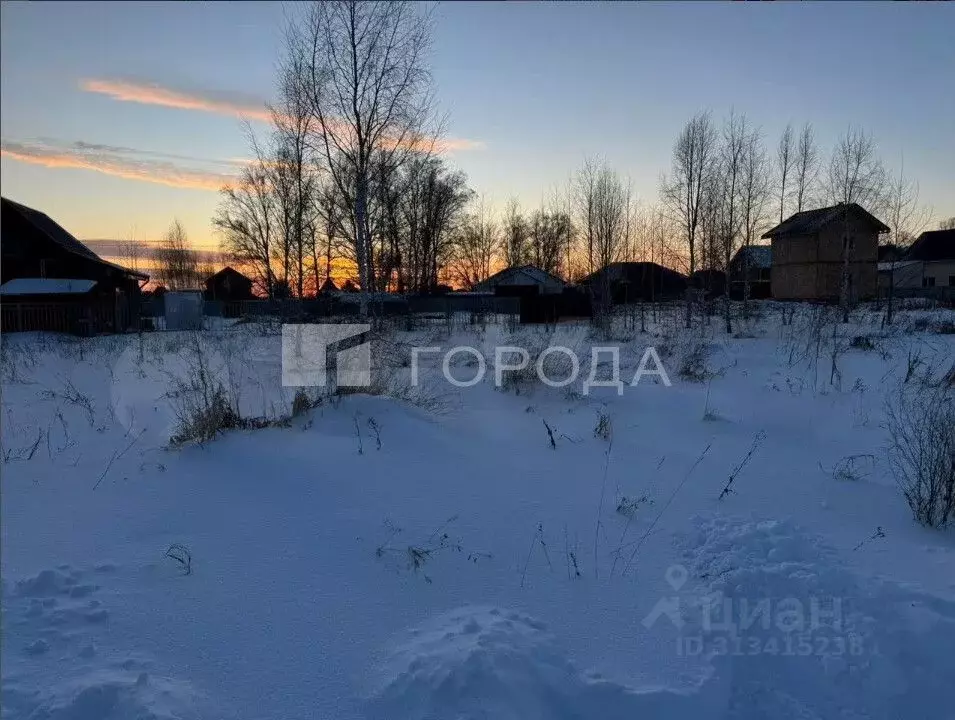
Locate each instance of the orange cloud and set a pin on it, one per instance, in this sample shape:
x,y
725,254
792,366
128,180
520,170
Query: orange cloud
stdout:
x,y
115,164
154,94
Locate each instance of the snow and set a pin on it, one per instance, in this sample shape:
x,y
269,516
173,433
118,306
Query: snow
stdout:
x,y
46,286
465,568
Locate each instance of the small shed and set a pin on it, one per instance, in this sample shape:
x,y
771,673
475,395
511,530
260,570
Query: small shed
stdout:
x,y
183,310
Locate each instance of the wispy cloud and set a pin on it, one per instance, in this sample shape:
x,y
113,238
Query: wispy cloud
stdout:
x,y
118,161
154,94
148,93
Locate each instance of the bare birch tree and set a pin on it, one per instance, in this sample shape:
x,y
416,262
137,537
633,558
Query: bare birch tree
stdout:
x,y
754,196
293,175
723,194
682,192
785,155
364,77
805,167
855,175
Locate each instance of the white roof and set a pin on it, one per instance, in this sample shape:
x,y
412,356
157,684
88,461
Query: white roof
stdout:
x,y
46,286
897,265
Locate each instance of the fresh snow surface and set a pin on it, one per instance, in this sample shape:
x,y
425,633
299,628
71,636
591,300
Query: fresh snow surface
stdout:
x,y
428,555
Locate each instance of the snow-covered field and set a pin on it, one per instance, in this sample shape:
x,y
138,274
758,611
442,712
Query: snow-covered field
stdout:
x,y
438,557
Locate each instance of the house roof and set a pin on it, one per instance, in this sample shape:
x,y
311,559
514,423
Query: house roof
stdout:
x,y
228,271
531,271
809,222
46,286
634,272
897,265
932,246
760,256
45,225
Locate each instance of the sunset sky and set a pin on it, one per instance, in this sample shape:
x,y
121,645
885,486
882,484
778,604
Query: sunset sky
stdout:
x,y
118,117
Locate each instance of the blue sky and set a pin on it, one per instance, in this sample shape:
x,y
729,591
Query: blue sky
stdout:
x,y
146,96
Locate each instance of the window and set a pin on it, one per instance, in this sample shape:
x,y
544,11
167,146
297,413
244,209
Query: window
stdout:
x,y
951,280
928,282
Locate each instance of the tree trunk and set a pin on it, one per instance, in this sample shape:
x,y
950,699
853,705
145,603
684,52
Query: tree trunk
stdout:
x,y
362,241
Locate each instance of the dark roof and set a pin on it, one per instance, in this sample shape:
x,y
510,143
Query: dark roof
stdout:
x,y
759,256
633,272
229,271
532,271
933,246
889,252
45,225
809,222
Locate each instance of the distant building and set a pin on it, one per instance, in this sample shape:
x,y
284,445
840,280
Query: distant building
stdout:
x,y
935,250
52,281
228,285
754,262
328,287
521,281
711,282
636,281
807,253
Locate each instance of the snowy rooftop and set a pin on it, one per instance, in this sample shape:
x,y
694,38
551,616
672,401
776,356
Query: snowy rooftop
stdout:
x,y
46,286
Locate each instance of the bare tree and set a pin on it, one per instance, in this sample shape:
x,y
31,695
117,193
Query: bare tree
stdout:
x,y
515,237
176,262
682,192
754,195
293,175
606,201
362,73
906,218
855,175
584,192
329,224
432,201
722,198
131,251
947,224
550,235
475,243
785,155
805,167
247,221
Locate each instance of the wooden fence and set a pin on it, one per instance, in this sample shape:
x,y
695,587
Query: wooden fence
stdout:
x,y
79,318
